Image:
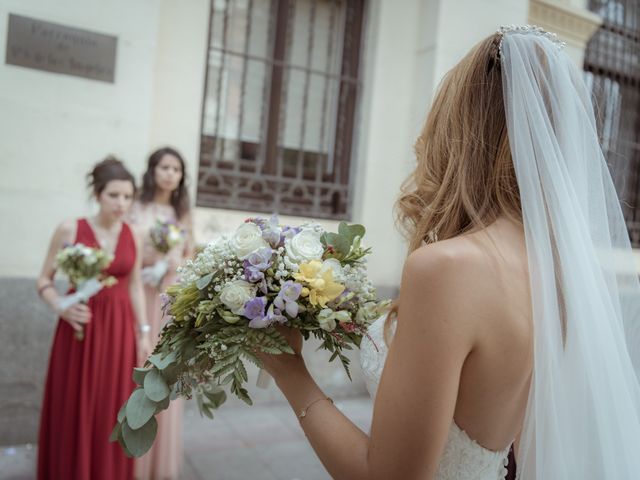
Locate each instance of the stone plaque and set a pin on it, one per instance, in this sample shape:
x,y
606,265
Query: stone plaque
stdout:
x,y
57,48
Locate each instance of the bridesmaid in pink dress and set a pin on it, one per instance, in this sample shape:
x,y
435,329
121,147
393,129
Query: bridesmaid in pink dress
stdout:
x,y
88,380
163,197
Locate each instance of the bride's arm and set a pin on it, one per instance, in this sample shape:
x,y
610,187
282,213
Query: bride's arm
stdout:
x,y
416,398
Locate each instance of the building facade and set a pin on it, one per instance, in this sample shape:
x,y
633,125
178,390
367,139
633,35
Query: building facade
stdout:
x,y
307,107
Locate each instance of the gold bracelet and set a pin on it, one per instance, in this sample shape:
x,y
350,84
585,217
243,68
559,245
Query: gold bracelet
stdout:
x,y
304,411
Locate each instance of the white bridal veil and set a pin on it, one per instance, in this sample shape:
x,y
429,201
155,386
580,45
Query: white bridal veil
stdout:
x,y
583,416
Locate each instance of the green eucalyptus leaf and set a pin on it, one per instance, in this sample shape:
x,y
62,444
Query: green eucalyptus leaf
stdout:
x,y
155,387
123,445
161,361
351,231
203,282
122,412
138,375
163,405
139,441
338,242
139,409
115,433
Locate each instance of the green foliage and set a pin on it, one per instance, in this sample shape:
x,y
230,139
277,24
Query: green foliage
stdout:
x,y
345,245
155,387
139,409
138,442
203,349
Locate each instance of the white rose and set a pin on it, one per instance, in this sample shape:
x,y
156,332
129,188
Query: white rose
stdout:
x,y
303,247
247,239
334,265
235,294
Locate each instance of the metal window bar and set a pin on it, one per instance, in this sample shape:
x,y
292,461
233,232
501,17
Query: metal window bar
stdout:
x,y
257,174
612,59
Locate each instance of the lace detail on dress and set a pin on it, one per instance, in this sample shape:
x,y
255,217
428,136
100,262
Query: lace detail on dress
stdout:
x,y
463,458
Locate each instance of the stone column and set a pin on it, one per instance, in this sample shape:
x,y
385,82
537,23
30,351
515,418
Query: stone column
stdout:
x,y
570,19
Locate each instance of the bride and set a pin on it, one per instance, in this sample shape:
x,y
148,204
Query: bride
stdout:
x,y
515,323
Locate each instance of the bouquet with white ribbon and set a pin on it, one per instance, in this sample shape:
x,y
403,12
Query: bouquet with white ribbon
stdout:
x,y
164,235
84,266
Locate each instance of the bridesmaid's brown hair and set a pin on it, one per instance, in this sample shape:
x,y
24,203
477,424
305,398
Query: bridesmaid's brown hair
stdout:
x,y
180,196
105,171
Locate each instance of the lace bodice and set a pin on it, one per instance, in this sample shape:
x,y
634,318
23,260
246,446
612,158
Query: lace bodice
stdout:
x,y
462,458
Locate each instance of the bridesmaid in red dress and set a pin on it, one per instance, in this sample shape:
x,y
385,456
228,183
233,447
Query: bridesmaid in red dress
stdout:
x,y
163,197
88,380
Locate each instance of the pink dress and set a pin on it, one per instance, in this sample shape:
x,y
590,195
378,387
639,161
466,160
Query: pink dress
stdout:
x,y
164,460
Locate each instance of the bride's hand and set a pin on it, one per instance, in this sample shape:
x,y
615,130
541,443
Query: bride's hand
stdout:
x,y
281,365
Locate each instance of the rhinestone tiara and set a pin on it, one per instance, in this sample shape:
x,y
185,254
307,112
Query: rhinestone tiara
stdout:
x,y
530,29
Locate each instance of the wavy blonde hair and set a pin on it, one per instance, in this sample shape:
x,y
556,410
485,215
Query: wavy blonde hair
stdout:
x,y
464,178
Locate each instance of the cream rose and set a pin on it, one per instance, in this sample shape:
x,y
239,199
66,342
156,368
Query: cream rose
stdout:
x,y
246,240
235,294
303,247
326,319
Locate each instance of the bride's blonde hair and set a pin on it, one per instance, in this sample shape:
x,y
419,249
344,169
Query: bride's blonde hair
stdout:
x,y
464,178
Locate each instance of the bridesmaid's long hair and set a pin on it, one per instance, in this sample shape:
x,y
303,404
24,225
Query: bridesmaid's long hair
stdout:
x,y
180,196
464,178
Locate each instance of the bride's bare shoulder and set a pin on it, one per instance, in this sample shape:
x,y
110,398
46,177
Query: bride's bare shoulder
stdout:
x,y
458,275
455,257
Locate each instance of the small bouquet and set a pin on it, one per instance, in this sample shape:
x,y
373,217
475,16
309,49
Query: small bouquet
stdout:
x,y
227,305
164,236
84,266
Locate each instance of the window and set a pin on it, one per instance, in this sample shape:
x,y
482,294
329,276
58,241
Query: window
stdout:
x,y
279,106
612,63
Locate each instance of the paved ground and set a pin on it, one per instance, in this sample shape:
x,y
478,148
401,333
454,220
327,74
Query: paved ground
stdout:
x,y
241,443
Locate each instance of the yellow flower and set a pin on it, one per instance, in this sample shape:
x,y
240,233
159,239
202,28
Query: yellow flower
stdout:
x,y
321,286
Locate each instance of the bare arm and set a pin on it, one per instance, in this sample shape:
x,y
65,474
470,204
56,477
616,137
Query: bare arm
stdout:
x,y
189,244
136,293
417,395
76,315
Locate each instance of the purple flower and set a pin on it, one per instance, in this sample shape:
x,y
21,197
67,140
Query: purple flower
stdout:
x,y
254,308
252,275
287,297
256,263
274,315
272,233
290,232
164,300
260,259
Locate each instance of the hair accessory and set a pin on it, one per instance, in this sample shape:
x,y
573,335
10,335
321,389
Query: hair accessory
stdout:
x,y
530,29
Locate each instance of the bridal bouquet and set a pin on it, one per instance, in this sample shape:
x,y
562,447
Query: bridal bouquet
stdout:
x,y
227,305
84,266
164,236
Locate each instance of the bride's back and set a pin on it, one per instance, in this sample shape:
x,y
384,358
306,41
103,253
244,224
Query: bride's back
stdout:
x,y
494,295
463,200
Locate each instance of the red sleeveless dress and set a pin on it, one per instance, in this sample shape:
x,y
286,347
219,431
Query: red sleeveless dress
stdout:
x,y
89,380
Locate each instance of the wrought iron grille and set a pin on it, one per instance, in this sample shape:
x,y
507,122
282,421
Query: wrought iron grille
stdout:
x,y
278,114
612,63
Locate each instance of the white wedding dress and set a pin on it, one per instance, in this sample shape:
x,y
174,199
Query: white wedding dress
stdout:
x,y
462,458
